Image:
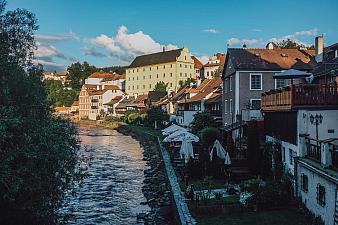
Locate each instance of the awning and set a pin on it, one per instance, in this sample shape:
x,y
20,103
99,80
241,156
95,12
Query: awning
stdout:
x,y
291,74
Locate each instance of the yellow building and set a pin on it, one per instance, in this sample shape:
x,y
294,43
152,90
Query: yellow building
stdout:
x,y
171,67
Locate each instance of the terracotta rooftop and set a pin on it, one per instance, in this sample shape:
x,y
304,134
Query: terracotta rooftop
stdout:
x,y
61,108
111,87
271,59
114,100
103,75
197,63
204,89
75,103
90,86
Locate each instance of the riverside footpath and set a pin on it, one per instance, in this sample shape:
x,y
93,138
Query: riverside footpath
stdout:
x,y
161,187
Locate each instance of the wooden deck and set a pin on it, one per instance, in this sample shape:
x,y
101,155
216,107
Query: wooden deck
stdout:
x,y
301,95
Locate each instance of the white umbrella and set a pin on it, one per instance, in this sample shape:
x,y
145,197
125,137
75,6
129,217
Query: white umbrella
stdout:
x,y
180,136
220,152
171,129
186,150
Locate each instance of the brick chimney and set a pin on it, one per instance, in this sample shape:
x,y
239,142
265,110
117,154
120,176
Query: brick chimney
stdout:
x,y
319,47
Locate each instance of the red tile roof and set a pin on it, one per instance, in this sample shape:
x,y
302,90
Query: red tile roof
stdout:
x,y
75,103
205,88
197,63
103,75
111,87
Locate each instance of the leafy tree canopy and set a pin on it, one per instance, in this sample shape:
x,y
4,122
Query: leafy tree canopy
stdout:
x,y
289,44
156,117
58,94
202,120
187,82
161,86
38,152
78,73
219,71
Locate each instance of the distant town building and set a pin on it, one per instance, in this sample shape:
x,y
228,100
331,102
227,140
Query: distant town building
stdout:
x,y
60,76
171,67
213,64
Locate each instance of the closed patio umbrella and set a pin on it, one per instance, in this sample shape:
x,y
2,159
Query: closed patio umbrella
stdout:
x,y
186,150
220,152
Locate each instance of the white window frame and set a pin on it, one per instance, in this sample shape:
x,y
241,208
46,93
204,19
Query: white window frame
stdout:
x,y
230,106
285,84
254,99
230,84
255,74
226,107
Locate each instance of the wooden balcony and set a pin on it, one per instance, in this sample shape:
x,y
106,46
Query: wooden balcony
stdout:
x,y
301,95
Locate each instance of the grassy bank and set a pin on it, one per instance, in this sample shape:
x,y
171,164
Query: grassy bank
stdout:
x,y
147,130
273,217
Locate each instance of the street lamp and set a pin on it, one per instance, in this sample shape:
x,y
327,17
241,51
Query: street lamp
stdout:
x,y
316,120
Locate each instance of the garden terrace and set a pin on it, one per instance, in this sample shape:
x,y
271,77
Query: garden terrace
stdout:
x,y
300,96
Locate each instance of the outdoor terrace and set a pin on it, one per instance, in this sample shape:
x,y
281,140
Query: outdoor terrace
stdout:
x,y
301,95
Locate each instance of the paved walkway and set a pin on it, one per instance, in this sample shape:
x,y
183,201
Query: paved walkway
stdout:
x,y
182,207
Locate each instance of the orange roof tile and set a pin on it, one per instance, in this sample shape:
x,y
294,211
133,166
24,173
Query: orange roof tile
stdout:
x,y
111,87
61,108
76,103
103,75
204,89
197,63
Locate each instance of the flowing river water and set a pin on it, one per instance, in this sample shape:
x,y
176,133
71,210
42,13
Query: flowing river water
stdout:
x,y
112,192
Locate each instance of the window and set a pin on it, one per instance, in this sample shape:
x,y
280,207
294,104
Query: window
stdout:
x,y
137,70
137,78
171,74
208,74
320,194
163,66
304,183
171,84
129,78
185,74
185,66
144,87
226,106
255,81
291,155
180,65
164,75
149,76
144,77
255,104
171,65
144,69
280,83
230,83
156,75
157,67
137,87
180,74
150,68
190,66
149,85
230,106
185,57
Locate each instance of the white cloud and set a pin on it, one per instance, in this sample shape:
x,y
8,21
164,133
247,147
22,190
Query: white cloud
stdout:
x,y
56,37
126,46
236,41
48,64
47,51
203,58
295,36
211,30
233,41
92,51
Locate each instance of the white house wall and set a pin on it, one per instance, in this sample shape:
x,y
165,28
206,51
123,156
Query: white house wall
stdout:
x,y
326,212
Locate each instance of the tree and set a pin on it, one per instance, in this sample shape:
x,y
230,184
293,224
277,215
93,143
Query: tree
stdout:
x,y
156,117
38,152
187,82
209,135
78,73
59,95
289,44
202,120
219,71
161,86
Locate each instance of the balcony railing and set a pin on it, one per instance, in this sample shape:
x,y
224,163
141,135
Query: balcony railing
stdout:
x,y
215,112
95,100
314,152
300,95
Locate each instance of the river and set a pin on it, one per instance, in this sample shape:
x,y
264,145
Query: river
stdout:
x,y
112,192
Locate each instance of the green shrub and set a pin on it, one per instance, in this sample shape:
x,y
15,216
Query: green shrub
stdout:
x,y
209,135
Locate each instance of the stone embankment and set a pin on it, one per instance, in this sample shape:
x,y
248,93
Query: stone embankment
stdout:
x,y
156,188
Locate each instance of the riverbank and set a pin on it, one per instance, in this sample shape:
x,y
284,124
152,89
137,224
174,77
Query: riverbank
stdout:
x,y
156,188
98,123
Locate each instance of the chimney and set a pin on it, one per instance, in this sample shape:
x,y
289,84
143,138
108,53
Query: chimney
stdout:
x,y
163,49
319,47
244,45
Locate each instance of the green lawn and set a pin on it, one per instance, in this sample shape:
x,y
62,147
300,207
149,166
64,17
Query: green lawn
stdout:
x,y
274,217
148,130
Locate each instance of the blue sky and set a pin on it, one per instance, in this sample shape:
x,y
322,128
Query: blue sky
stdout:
x,y
113,32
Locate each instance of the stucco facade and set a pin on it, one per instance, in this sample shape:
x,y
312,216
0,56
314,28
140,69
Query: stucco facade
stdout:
x,y
141,80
